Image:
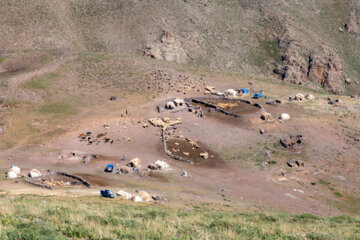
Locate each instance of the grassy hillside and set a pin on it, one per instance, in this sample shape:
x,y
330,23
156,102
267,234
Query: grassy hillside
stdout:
x,y
39,217
237,36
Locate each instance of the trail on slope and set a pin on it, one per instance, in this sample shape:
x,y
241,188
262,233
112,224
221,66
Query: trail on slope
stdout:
x,y
15,92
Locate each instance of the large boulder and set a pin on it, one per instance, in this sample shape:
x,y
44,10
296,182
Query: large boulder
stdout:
x,y
135,162
292,142
124,194
136,199
297,65
266,116
169,49
353,24
299,97
145,196
179,102
309,96
327,72
170,105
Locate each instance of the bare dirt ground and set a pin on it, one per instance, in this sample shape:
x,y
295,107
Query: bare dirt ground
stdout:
x,y
328,182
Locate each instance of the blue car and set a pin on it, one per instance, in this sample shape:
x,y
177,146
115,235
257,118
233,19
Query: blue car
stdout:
x,y
107,193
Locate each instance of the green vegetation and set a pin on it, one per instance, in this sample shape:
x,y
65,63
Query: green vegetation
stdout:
x,y
39,217
2,59
337,194
57,108
41,82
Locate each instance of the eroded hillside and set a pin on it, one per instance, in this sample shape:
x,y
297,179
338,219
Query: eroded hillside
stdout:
x,y
313,43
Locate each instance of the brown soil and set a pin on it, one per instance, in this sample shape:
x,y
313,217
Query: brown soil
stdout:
x,y
238,107
183,146
98,181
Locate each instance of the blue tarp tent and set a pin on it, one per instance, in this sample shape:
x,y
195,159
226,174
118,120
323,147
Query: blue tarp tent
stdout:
x,y
109,168
244,90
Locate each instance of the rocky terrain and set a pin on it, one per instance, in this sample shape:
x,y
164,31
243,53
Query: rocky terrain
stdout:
x,y
226,104
301,42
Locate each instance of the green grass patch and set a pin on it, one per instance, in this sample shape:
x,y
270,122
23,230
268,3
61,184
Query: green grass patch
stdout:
x,y
90,217
337,194
41,82
57,108
2,59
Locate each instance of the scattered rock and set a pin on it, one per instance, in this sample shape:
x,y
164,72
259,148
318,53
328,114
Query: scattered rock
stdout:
x,y
135,162
353,24
144,196
292,142
266,117
136,199
204,155
179,102
158,198
124,194
170,105
274,102
299,97
335,102
159,165
165,122
267,154
113,98
298,190
262,131
125,169
264,165
159,109
309,97
185,174
341,178
347,80
169,49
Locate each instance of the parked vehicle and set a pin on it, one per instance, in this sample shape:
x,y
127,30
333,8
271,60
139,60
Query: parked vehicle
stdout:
x,y
107,193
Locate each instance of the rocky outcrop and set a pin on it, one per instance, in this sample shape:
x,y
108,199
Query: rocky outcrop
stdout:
x,y
327,72
169,49
325,69
353,24
293,68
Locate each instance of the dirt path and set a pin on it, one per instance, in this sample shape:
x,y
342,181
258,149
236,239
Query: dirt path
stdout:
x,y
14,90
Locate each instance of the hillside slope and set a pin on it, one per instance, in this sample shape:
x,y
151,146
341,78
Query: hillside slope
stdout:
x,y
298,41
